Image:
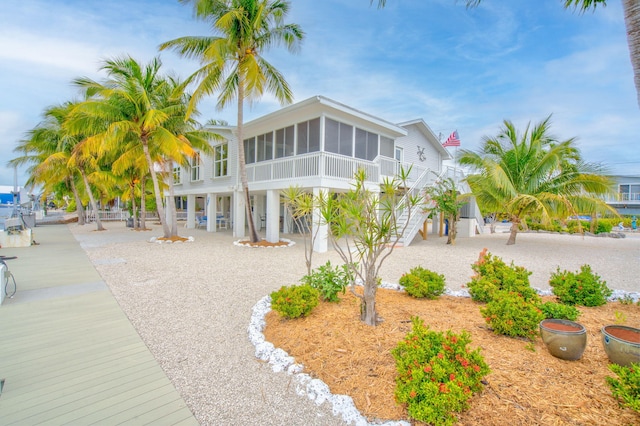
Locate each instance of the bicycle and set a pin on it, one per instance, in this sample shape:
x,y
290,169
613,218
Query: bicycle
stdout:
x,y
7,275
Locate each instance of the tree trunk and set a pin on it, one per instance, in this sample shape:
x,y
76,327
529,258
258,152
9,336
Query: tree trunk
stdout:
x,y
143,204
368,313
79,208
134,207
632,23
452,231
156,189
515,224
171,205
253,235
94,205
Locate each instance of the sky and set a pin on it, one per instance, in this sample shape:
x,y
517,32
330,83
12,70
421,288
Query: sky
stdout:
x,y
456,68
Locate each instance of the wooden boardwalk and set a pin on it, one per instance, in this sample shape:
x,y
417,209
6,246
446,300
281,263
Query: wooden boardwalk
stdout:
x,y
68,353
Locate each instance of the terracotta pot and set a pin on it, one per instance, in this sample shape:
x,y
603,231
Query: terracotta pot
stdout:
x,y
564,339
622,344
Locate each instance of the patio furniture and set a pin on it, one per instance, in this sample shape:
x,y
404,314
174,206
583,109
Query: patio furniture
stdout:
x,y
201,222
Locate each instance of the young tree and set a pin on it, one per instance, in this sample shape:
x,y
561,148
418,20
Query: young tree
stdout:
x,y
533,174
232,63
363,228
449,201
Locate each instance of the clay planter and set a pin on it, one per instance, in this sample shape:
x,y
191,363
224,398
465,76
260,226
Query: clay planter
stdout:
x,y
563,338
622,344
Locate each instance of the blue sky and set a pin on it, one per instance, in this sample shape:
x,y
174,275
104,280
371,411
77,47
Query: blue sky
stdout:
x,y
432,59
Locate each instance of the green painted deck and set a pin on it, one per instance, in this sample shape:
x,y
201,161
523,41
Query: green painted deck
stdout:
x,y
68,353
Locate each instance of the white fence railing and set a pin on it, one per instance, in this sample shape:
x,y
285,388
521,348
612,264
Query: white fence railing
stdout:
x,y
115,215
632,198
317,164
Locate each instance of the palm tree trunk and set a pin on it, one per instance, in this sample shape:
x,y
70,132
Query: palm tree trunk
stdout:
x,y
134,206
253,235
156,189
632,23
515,224
79,208
452,231
143,203
94,205
172,204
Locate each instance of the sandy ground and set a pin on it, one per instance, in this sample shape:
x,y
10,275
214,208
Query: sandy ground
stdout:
x,y
191,302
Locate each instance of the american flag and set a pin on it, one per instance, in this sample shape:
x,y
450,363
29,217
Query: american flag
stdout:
x,y
452,140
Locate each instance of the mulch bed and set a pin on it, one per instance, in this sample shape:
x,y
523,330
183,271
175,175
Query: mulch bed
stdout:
x,y
525,386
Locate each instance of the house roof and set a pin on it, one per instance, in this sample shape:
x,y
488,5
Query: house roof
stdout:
x,y
324,104
429,135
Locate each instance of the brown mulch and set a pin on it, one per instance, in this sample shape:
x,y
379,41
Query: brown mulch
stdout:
x,y
264,243
525,387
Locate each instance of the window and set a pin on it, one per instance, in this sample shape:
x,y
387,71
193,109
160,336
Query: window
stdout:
x,y
386,147
308,136
194,163
177,174
366,145
265,147
399,153
220,164
284,142
250,150
338,137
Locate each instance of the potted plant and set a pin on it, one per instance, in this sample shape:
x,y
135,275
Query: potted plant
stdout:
x,y
563,338
622,344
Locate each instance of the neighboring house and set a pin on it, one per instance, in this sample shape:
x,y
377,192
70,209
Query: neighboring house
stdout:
x,y
316,144
627,198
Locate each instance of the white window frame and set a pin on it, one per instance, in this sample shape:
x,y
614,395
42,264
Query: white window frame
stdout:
x,y
223,163
194,166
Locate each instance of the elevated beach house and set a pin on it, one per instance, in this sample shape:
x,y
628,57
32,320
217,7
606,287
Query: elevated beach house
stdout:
x,y
316,144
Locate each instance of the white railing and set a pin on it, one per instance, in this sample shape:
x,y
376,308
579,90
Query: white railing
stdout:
x,y
632,198
317,164
106,215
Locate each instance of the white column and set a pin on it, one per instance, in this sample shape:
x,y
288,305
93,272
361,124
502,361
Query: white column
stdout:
x,y
320,230
273,216
239,214
191,211
211,210
258,210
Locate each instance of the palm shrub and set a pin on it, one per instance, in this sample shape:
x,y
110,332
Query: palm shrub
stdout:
x,y
510,314
329,281
492,275
626,388
584,288
295,301
437,374
423,283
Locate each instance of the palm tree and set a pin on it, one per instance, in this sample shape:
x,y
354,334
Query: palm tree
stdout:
x,y
232,62
145,112
57,155
631,10
534,175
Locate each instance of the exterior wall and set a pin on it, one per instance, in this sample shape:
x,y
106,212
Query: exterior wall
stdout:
x,y
410,143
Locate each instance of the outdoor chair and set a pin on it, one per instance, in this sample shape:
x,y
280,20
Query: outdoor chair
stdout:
x,y
201,222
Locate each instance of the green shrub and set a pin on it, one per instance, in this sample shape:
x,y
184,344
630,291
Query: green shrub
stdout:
x,y
511,315
420,282
492,275
604,225
572,226
559,311
436,373
295,301
626,388
329,281
584,288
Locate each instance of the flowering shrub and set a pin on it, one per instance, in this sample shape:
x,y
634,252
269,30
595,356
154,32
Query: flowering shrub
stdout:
x,y
559,311
329,281
584,288
626,388
436,373
492,274
420,282
511,315
295,301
